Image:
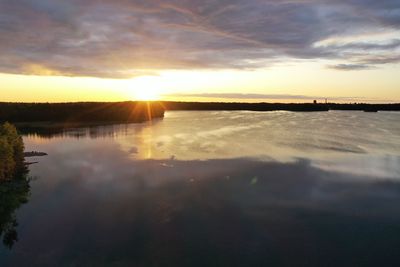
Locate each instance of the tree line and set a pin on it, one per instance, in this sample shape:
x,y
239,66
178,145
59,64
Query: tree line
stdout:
x,y
81,112
136,111
301,107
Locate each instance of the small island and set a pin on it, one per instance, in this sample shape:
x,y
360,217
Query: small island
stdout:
x,y
34,154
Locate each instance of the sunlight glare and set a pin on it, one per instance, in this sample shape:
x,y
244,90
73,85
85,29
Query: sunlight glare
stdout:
x,y
146,88
147,95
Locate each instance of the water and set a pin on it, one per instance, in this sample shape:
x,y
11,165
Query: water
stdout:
x,y
216,189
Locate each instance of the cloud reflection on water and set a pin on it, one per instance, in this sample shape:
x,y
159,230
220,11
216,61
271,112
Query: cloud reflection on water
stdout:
x,y
107,209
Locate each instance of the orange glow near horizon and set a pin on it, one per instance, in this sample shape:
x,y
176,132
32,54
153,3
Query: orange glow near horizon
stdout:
x,y
305,79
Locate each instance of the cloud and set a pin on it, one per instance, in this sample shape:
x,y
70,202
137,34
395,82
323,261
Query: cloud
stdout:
x,y
262,96
349,67
245,96
126,38
392,44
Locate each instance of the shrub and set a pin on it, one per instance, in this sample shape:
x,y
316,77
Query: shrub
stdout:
x,y
11,152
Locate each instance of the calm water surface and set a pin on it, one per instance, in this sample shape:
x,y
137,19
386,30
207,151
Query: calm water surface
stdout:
x,y
215,189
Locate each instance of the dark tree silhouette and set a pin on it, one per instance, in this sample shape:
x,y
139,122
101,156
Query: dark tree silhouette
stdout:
x,y
300,107
81,112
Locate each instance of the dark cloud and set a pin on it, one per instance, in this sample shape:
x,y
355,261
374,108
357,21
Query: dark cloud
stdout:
x,y
125,38
349,67
392,44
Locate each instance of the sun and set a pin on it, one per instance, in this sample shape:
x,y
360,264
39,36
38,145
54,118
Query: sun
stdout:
x,y
147,95
146,88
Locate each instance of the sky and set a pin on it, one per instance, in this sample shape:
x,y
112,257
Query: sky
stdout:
x,y
201,50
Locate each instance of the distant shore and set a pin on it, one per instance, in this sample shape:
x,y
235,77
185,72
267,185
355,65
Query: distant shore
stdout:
x,y
295,107
36,116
